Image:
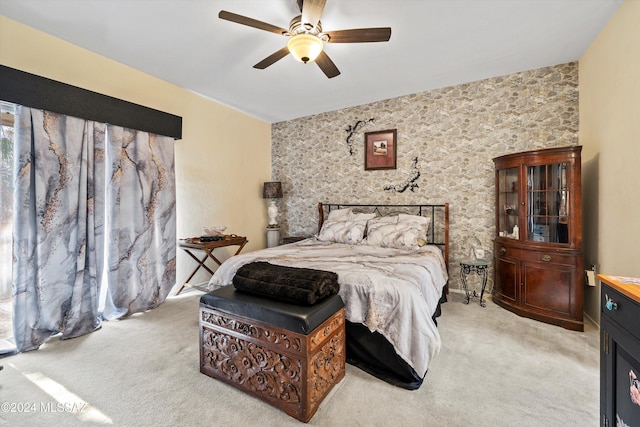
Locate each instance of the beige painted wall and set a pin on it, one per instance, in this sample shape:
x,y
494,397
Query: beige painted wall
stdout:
x,y
218,183
609,84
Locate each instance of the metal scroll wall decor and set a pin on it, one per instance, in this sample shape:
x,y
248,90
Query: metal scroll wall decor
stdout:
x,y
410,182
351,130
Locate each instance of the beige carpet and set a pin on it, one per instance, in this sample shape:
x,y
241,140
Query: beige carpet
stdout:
x,y
494,369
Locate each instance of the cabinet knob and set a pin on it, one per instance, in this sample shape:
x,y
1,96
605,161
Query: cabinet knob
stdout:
x,y
610,304
503,251
546,258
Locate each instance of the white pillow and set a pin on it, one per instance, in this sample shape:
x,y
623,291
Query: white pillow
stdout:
x,y
414,218
361,216
390,235
375,222
384,220
420,222
349,232
339,214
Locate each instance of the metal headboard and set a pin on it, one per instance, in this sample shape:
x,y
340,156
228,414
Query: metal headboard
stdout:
x,y
439,214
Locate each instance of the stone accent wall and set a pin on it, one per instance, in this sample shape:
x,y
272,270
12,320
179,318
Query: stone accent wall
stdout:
x,y
455,132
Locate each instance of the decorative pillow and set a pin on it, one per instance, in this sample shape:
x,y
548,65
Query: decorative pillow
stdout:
x,y
390,235
393,219
349,232
361,216
339,214
420,222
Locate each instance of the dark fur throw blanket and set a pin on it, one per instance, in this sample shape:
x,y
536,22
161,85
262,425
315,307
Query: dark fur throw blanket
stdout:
x,y
302,286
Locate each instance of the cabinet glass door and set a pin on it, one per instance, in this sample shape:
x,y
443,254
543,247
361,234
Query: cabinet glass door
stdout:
x,y
507,201
547,203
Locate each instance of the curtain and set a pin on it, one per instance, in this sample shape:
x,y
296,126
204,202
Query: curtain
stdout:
x,y
141,214
88,196
58,187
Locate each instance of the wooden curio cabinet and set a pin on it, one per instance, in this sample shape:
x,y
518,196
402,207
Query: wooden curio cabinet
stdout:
x,y
538,267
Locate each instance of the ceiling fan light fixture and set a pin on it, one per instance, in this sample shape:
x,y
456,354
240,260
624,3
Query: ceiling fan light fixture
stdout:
x,y
305,47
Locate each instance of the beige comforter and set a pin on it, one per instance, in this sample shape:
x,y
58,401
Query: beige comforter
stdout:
x,y
394,292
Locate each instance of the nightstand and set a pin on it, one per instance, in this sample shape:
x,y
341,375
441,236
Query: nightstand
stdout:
x,y
479,266
293,239
273,236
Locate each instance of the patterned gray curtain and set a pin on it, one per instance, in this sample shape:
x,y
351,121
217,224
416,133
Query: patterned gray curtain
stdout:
x,y
63,210
141,216
58,191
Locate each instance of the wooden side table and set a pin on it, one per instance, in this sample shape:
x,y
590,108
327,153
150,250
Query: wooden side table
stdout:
x,y
479,266
194,243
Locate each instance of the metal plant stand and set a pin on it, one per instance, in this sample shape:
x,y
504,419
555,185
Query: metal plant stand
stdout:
x,y
480,267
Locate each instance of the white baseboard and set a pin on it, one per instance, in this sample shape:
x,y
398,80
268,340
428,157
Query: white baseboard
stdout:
x,y
591,320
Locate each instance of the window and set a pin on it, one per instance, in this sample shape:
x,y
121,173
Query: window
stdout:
x,y
7,111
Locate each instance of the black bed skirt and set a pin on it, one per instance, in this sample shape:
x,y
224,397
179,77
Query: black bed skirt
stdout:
x,y
371,352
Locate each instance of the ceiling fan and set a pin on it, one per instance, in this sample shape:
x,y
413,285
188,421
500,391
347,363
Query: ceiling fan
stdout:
x,y
306,42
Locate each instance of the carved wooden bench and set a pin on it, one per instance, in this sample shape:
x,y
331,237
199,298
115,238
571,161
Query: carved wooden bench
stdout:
x,y
287,355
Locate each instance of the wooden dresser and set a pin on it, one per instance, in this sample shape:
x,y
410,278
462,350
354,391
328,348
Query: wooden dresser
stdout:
x,y
619,351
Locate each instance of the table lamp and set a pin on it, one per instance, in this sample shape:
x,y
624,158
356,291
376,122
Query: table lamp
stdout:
x,y
273,191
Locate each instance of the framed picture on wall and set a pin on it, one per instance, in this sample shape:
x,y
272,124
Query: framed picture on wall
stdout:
x,y
380,149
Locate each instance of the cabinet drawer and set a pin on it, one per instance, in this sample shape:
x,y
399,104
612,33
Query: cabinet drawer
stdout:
x,y
626,312
549,257
504,251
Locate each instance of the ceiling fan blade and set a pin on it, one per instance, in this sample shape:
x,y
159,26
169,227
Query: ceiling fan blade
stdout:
x,y
311,11
326,65
360,35
250,22
271,59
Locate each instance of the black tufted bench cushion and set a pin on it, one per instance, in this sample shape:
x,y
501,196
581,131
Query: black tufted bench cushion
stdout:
x,y
296,318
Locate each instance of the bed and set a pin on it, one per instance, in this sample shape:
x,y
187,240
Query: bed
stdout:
x,y
391,262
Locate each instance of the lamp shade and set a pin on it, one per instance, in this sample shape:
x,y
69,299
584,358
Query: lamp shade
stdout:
x,y
272,190
305,47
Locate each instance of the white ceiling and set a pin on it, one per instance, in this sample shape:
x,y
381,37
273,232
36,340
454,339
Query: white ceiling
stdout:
x,y
434,44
